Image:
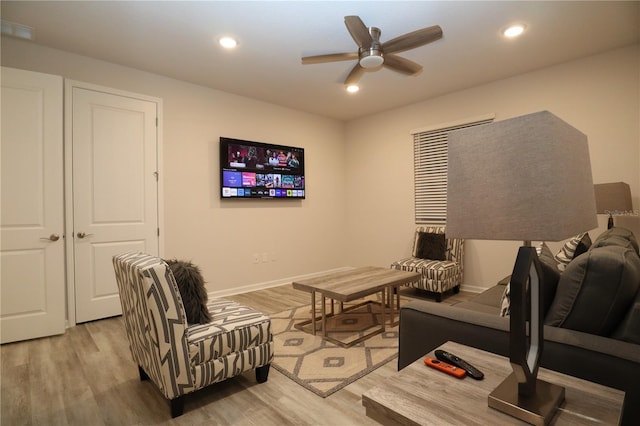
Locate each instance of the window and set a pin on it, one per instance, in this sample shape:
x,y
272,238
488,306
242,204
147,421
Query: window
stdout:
x,y
430,168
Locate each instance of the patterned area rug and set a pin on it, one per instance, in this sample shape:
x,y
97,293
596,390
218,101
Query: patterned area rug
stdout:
x,y
324,367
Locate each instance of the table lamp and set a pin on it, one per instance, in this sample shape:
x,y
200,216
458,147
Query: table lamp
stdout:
x,y
612,198
527,178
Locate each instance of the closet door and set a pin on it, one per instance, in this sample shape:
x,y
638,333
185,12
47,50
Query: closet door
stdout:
x,y
115,190
32,222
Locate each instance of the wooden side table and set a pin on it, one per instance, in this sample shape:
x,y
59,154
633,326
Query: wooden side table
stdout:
x,y
420,395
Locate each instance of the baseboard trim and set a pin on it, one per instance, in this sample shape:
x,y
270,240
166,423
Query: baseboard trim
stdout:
x,y
275,283
268,284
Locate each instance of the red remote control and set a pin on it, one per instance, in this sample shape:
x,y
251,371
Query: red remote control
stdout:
x,y
444,367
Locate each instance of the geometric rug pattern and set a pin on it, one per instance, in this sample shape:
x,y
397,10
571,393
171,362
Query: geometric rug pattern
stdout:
x,y
324,367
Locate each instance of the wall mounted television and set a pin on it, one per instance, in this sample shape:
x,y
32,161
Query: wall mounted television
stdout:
x,y
250,170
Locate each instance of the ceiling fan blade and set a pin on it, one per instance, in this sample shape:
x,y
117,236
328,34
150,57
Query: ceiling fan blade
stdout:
x,y
413,39
358,31
354,75
399,64
333,57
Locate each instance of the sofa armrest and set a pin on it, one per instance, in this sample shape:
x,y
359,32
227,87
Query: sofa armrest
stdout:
x,y
593,343
425,326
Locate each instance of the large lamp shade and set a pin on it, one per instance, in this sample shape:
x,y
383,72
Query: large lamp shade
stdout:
x,y
526,178
529,179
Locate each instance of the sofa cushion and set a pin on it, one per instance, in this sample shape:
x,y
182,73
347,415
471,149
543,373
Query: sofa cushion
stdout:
x,y
545,255
616,237
431,246
629,328
192,290
505,280
572,249
434,270
490,297
596,290
234,327
548,281
550,276
471,305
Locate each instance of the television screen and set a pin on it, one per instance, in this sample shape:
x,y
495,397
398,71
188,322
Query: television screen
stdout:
x,y
260,170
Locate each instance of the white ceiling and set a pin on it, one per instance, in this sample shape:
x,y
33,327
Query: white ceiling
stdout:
x,y
178,39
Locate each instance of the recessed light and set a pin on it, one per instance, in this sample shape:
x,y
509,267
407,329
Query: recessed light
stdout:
x,y
513,31
228,42
353,88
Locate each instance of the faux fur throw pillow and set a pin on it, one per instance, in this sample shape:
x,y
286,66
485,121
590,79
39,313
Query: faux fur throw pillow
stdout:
x,y
191,286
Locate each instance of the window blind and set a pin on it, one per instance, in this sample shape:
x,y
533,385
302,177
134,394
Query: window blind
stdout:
x,y
430,169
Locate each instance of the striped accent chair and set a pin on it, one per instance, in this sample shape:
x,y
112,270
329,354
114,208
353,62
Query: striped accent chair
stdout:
x,y
177,357
438,276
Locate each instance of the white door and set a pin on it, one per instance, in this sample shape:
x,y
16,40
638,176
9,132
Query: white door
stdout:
x,y
32,208
115,192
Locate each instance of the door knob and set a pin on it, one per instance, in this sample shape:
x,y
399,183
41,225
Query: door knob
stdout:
x,y
83,235
52,237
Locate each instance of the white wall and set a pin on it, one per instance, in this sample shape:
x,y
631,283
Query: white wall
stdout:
x,y
221,236
598,95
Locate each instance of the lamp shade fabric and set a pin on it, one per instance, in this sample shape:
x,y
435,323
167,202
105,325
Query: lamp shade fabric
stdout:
x,y
613,197
527,178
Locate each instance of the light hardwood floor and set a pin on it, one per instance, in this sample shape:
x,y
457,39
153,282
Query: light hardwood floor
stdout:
x,y
87,377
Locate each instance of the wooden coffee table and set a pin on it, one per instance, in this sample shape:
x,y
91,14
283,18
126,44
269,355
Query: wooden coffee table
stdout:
x,y
346,286
420,395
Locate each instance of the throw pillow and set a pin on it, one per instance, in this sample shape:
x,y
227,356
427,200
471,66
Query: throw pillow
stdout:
x,y
544,251
596,291
505,304
616,237
550,275
572,249
431,246
192,290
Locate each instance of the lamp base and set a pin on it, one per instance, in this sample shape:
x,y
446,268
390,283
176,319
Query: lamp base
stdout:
x,y
538,409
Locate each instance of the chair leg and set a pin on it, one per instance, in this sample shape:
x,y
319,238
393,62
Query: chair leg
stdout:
x,y
262,373
177,406
143,374
438,297
456,289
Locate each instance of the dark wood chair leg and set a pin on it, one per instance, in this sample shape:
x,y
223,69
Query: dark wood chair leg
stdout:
x,y
438,297
143,374
262,373
177,406
456,289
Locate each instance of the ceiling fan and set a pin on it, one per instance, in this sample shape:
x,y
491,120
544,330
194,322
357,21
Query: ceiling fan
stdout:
x,y
372,54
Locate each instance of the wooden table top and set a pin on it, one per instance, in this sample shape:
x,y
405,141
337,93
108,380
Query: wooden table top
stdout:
x,y
420,395
355,283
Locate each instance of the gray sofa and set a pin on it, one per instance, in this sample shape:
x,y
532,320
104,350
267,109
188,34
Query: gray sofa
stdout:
x,y
592,322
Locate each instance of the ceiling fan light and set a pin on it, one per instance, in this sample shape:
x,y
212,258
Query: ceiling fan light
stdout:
x,y
372,61
352,88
